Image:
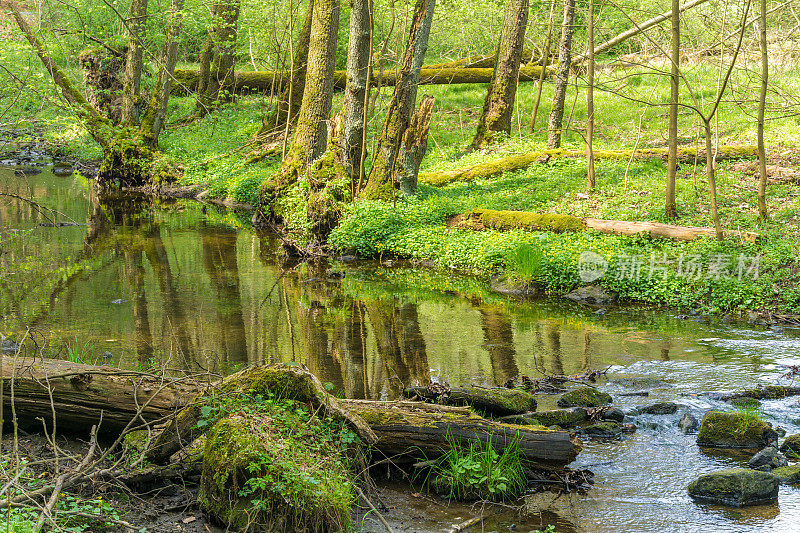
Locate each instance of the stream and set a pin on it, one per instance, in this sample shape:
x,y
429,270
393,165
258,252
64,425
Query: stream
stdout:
x,y
142,283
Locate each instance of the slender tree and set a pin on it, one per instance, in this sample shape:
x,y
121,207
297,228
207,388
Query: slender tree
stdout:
x,y
498,108
562,79
762,102
382,183
221,56
545,65
133,62
670,208
356,91
590,179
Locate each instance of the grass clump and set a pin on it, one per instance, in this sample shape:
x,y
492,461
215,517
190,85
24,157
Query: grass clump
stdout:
x,y
479,472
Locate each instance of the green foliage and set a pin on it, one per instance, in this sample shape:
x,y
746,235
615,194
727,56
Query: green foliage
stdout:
x,y
478,471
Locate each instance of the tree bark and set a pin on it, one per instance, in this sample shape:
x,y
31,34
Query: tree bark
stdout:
x,y
224,35
155,114
381,184
520,161
133,62
356,91
590,177
498,108
762,102
415,144
479,219
545,63
562,78
203,75
671,208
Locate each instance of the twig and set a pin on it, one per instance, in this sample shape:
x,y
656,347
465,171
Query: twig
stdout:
x,y
374,509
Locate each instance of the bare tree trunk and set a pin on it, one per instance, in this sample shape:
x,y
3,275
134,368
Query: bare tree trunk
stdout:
x,y
590,177
356,92
712,181
381,184
670,208
562,80
310,137
133,62
498,108
224,35
155,114
545,64
762,101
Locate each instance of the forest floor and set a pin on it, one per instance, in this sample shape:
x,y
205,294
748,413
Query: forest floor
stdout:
x,y
709,276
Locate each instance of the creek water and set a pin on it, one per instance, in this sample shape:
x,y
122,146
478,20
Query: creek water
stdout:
x,y
168,283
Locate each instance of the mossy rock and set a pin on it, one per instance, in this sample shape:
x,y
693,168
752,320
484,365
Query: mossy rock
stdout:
x,y
770,392
584,397
791,446
746,402
494,401
788,475
734,430
736,487
255,483
606,429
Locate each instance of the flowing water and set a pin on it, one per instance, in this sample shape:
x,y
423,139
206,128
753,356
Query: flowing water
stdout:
x,y
142,283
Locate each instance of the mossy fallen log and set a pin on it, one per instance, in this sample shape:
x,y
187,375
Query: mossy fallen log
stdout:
x,y
479,219
413,431
85,395
263,81
496,401
491,169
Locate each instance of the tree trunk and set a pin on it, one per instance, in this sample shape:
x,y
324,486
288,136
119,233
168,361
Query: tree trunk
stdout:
x,y
203,74
516,162
155,114
762,102
224,34
590,177
415,144
133,63
498,108
712,180
479,219
381,184
562,79
545,64
356,93
671,208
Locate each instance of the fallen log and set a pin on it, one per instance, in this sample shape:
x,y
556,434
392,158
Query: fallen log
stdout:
x,y
85,395
491,169
479,219
186,81
410,431
496,401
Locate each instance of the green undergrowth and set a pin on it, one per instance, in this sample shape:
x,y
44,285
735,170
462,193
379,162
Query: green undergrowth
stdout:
x,y
478,472
270,464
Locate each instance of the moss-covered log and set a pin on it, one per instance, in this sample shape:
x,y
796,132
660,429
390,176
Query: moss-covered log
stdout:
x,y
497,401
412,431
479,219
86,395
269,80
520,161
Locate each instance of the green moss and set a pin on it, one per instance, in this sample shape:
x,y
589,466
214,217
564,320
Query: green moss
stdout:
x,y
561,417
737,487
788,474
734,430
508,220
584,397
496,401
275,473
746,403
136,441
791,446
279,381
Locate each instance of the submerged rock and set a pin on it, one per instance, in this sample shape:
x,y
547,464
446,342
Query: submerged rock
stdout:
x,y
7,345
688,423
662,408
613,414
584,397
592,295
736,487
562,418
768,459
788,475
734,430
791,446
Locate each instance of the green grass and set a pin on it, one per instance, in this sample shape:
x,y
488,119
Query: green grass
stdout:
x,y
479,472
